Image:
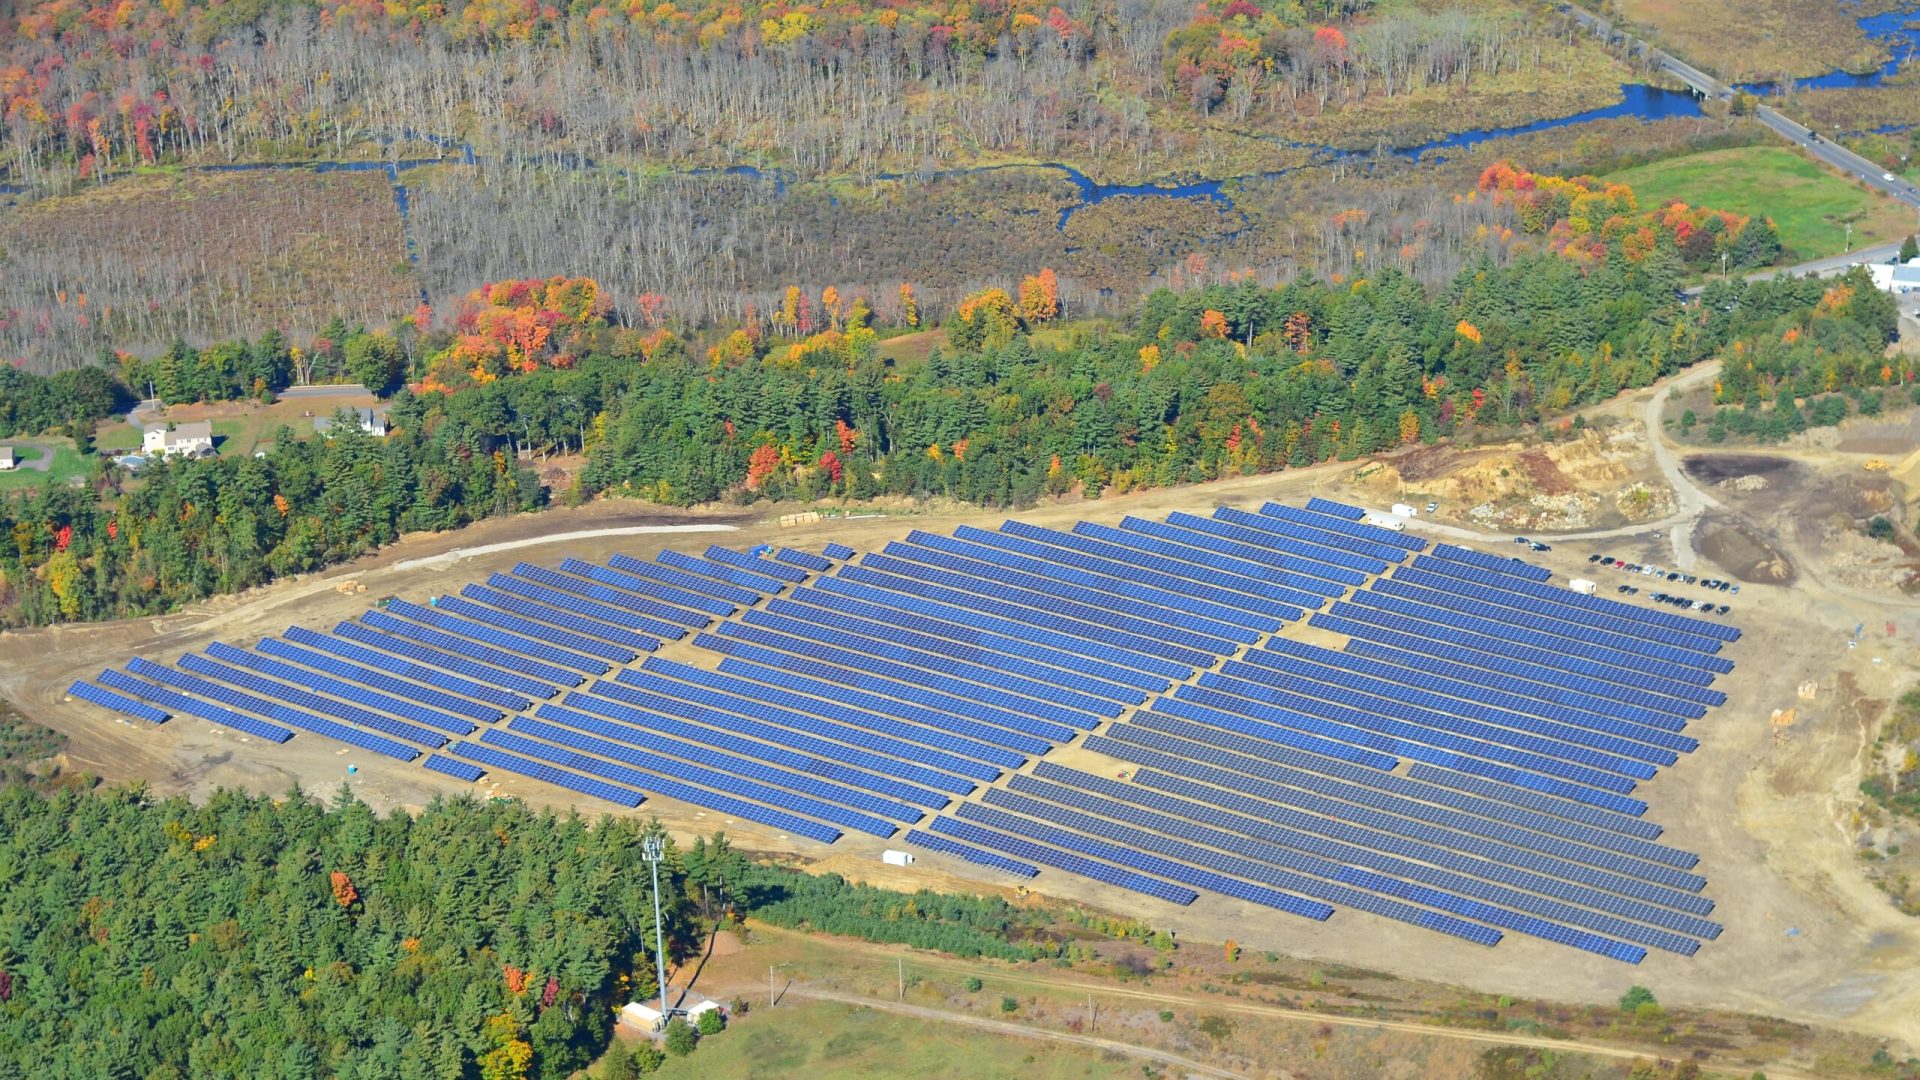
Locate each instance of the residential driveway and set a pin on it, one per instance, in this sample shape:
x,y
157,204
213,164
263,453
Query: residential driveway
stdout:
x,y
39,464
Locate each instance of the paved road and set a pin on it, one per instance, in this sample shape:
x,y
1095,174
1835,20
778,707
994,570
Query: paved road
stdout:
x,y
1839,157
41,464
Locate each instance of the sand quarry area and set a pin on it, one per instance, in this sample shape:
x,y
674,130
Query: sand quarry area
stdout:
x,y
1770,801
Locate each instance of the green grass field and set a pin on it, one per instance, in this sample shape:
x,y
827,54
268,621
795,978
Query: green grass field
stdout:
x,y
115,434
825,1041
67,464
1808,204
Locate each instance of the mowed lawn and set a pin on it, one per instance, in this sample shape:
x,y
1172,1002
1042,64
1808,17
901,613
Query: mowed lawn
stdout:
x,y
1809,205
827,1041
67,464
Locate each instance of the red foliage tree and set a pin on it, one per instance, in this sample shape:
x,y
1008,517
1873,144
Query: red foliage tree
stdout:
x,y
765,459
344,893
830,461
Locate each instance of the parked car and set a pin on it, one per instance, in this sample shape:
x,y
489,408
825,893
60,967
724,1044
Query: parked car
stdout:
x,y
1542,547
1723,609
1521,540
1432,507
1593,558
1624,588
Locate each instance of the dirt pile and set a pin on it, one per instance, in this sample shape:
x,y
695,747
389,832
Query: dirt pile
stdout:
x,y
1749,482
1736,548
1860,561
1595,478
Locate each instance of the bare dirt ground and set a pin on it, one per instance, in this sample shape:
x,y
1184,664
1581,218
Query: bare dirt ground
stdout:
x,y
1807,936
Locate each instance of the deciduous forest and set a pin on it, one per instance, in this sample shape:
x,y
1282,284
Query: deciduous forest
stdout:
x,y
1230,377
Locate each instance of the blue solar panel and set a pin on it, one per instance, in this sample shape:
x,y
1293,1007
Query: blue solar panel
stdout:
x,y
750,580
454,768
632,594
270,708
182,705
604,604
1316,853
1314,529
1000,584
119,703
283,693
970,853
649,580
963,642
833,802
1123,565
1299,590
837,552
536,631
1628,633
1094,696
1037,718
932,725
1176,767
479,647
1339,510
1186,532
493,692
1370,533
1270,536
1063,860
1015,616
743,561
447,704
567,613
775,694
1495,563
538,770
524,641
1154,605
1598,610
356,694
767,743
804,560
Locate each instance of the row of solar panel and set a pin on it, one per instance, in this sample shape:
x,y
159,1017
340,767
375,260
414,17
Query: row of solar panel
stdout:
x,y
1420,701
581,732
766,742
837,552
610,606
1465,666
182,705
1075,693
1352,530
1466,741
1194,564
1111,562
1495,563
748,580
490,656
1207,822
605,635
968,852
1502,692
448,704
803,560
1334,509
1107,628
1460,578
119,703
552,636
741,560
284,694
1061,860
1053,723
1274,543
692,590
1025,656
1153,605
1587,607
963,719
1263,529
512,648
1312,875
372,649
1249,754
855,716
1191,548
458,769
539,770
300,677
645,595
1241,786
691,694
274,710
1567,654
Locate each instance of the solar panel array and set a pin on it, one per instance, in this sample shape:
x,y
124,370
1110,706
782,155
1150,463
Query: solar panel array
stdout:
x,y
1467,759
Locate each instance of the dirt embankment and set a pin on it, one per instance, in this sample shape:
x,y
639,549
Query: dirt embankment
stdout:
x,y
1738,548
1597,479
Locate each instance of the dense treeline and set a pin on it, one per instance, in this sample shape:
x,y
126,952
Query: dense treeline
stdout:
x,y
955,923
1229,378
187,529
254,937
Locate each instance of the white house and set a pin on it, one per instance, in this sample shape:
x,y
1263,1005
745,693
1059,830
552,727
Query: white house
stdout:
x,y
6,458
1896,277
374,424
186,439
641,1017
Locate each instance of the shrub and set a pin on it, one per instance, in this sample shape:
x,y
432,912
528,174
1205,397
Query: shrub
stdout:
x,y
1635,997
647,1058
973,984
681,1038
711,1022
1008,1004
1166,1015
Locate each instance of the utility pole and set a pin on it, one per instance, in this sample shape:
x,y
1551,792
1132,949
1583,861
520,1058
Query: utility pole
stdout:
x,y
770,993
652,850
903,977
